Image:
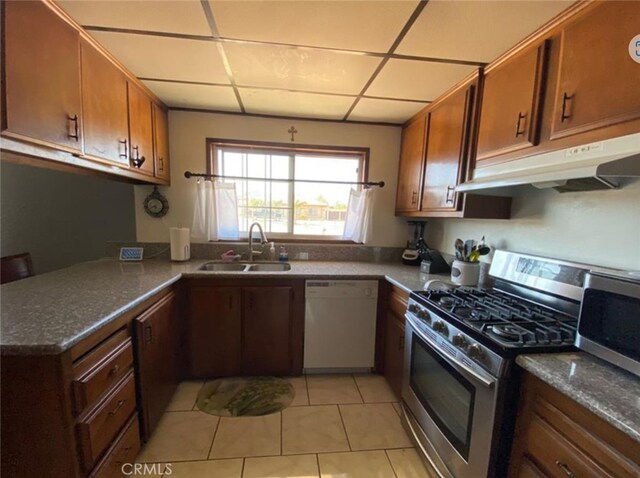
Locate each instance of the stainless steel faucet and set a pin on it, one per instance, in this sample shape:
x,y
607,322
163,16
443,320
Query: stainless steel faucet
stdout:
x,y
263,240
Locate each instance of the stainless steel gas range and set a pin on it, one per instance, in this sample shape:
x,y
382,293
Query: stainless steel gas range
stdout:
x,y
461,386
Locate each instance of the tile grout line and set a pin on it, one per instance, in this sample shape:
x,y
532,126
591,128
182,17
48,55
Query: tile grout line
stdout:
x,y
386,453
306,386
281,433
215,434
358,388
344,428
318,465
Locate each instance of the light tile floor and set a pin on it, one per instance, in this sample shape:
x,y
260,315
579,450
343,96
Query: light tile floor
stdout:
x,y
338,426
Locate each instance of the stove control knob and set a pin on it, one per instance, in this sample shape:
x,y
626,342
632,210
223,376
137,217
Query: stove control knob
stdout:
x,y
459,341
424,315
440,326
475,352
413,308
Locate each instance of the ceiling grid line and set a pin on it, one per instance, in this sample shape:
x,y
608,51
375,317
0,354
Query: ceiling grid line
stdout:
x,y
323,60
273,88
344,51
414,16
223,55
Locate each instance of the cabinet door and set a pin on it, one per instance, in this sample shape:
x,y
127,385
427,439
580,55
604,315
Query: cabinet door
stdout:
x,y
410,168
140,130
158,353
511,104
104,106
214,331
161,143
598,80
266,330
394,352
42,76
446,150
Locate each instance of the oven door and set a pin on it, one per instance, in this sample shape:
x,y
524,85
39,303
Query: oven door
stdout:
x,y
453,405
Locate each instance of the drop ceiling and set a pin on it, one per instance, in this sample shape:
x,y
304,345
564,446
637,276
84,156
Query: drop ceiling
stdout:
x,y
363,60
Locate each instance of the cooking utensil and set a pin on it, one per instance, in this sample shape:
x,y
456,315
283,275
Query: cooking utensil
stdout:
x,y
468,246
459,246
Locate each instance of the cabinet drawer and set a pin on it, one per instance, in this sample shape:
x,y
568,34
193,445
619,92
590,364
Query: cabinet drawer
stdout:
x,y
98,371
97,430
559,457
398,302
124,450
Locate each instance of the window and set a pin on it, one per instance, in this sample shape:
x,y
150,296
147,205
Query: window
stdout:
x,y
287,208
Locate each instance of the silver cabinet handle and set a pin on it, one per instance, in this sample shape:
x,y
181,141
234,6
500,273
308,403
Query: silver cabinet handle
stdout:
x,y
564,467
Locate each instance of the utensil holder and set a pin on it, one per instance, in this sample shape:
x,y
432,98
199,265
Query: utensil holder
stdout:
x,y
465,273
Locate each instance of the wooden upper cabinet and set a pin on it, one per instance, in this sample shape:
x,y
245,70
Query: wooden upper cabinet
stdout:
x,y
598,81
447,138
411,162
161,143
511,103
104,106
42,76
140,130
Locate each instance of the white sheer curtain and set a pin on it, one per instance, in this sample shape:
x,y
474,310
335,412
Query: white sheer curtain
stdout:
x,y
215,215
357,226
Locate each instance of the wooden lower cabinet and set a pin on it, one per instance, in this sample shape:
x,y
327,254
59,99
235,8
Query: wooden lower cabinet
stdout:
x,y
75,414
394,326
556,437
266,330
158,350
245,327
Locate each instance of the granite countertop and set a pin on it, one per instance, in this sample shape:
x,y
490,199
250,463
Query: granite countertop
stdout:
x,y
608,391
51,312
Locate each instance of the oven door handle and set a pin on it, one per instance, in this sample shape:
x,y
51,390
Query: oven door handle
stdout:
x,y
487,382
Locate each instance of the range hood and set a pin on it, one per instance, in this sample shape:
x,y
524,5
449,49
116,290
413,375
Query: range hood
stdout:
x,y
583,168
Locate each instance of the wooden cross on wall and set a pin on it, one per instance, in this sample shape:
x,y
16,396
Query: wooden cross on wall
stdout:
x,y
293,132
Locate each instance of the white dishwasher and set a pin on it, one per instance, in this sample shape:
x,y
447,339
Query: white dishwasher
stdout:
x,y
340,325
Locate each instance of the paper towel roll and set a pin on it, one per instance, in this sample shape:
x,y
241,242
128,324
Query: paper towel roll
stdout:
x,y
180,244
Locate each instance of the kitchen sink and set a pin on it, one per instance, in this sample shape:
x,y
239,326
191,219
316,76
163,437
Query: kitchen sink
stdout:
x,y
270,267
217,266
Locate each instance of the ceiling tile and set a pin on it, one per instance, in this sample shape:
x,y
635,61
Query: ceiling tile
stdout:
x,y
165,58
478,30
162,16
287,103
398,79
356,25
389,111
185,95
299,69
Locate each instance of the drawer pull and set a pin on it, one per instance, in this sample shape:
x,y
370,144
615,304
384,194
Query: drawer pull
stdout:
x,y
520,132
450,189
114,370
564,467
563,114
75,134
118,407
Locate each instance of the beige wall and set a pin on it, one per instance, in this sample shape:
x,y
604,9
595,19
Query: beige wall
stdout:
x,y
597,227
189,130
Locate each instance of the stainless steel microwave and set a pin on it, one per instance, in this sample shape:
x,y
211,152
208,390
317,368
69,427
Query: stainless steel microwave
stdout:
x,y
609,323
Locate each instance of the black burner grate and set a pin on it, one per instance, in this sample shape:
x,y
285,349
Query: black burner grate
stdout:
x,y
506,319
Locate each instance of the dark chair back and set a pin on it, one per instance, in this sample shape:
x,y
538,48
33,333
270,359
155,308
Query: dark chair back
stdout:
x,y
15,267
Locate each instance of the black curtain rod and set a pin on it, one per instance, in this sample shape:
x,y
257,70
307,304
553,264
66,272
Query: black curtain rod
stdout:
x,y
189,174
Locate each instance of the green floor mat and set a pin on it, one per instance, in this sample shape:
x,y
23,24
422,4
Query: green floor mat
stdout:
x,y
245,396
